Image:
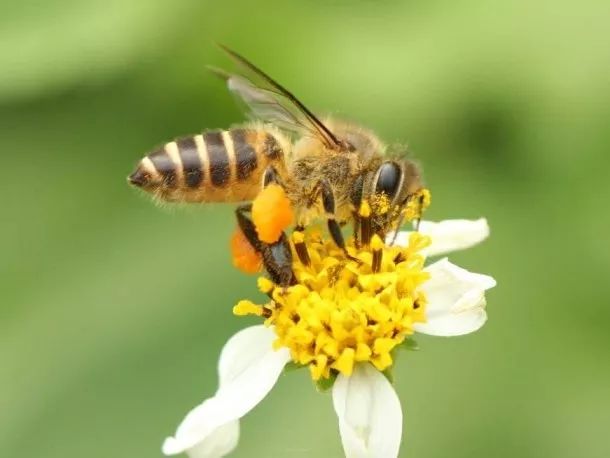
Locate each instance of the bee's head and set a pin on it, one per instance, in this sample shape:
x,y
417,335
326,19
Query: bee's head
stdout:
x,y
395,193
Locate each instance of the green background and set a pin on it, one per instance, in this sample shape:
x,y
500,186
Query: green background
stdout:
x,y
113,310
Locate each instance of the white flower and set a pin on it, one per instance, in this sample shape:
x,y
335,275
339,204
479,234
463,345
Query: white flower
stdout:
x,y
448,236
248,368
366,404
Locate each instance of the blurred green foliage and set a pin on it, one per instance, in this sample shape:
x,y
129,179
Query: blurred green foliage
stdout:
x,y
113,310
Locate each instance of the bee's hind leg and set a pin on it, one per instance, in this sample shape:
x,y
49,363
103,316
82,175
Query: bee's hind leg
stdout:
x,y
271,176
277,256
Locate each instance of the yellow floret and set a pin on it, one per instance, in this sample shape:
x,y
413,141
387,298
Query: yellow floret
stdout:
x,y
340,312
247,308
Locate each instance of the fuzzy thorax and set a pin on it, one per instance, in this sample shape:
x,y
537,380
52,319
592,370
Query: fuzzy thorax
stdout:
x,y
340,311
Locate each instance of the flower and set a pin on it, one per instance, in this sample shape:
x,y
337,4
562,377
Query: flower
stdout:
x,y
343,320
345,311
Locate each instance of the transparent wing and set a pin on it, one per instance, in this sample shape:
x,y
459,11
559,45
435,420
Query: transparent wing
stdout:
x,y
263,105
268,101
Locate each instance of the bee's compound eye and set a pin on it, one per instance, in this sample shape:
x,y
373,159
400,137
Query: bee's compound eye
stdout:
x,y
388,179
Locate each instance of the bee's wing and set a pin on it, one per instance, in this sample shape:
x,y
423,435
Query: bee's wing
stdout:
x,y
263,104
268,101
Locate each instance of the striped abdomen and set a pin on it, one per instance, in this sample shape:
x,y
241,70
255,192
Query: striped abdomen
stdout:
x,y
220,166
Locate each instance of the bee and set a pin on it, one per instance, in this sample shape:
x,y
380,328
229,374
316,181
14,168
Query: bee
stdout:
x,y
329,169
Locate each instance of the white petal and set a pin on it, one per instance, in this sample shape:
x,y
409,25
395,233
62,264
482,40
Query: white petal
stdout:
x,y
222,442
188,433
248,370
449,235
369,413
456,300
242,350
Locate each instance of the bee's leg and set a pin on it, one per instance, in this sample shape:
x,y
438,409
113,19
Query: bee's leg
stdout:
x,y
271,176
247,225
328,202
365,230
356,195
300,246
397,228
418,220
356,229
277,256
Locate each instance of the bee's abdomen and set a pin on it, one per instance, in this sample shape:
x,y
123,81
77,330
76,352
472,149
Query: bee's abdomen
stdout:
x,y
219,166
191,162
246,159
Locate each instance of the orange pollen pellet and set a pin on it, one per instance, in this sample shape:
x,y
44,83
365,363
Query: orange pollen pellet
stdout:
x,y
271,213
245,257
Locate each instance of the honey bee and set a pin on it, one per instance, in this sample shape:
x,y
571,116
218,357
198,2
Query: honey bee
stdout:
x,y
330,169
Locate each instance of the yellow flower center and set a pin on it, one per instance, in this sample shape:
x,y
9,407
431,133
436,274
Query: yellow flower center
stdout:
x,y
342,311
